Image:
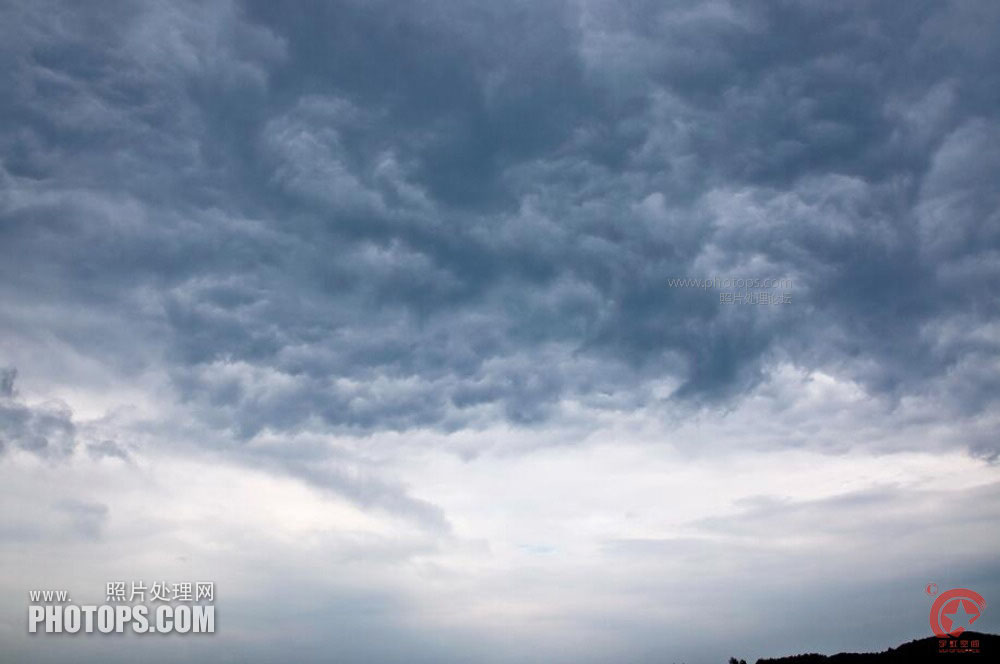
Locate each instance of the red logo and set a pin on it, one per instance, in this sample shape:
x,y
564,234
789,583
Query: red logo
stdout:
x,y
955,610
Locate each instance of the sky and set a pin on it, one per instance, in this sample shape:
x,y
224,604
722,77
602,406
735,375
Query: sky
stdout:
x,y
372,314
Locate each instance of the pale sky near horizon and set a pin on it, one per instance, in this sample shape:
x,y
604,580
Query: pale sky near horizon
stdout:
x,y
368,312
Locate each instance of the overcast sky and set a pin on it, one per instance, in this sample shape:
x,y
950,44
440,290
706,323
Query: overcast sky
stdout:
x,y
365,311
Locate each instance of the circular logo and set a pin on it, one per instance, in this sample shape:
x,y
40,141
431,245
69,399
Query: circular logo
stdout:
x,y
955,610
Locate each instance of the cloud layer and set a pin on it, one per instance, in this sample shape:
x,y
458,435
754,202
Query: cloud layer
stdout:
x,y
338,248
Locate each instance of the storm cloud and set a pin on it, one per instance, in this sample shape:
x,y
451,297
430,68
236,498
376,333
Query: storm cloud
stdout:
x,y
347,244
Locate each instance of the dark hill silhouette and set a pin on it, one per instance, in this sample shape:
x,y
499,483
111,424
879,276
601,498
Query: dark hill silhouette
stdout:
x,y
919,651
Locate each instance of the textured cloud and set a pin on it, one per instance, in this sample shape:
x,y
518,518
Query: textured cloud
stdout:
x,y
419,206
45,429
345,244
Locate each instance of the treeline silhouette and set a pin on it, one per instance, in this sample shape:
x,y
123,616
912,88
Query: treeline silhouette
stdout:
x,y
929,650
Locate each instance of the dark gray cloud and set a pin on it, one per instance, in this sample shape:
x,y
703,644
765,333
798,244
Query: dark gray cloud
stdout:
x,y
44,429
386,208
358,483
312,238
108,448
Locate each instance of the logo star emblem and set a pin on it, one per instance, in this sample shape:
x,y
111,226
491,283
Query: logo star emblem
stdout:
x,y
959,617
